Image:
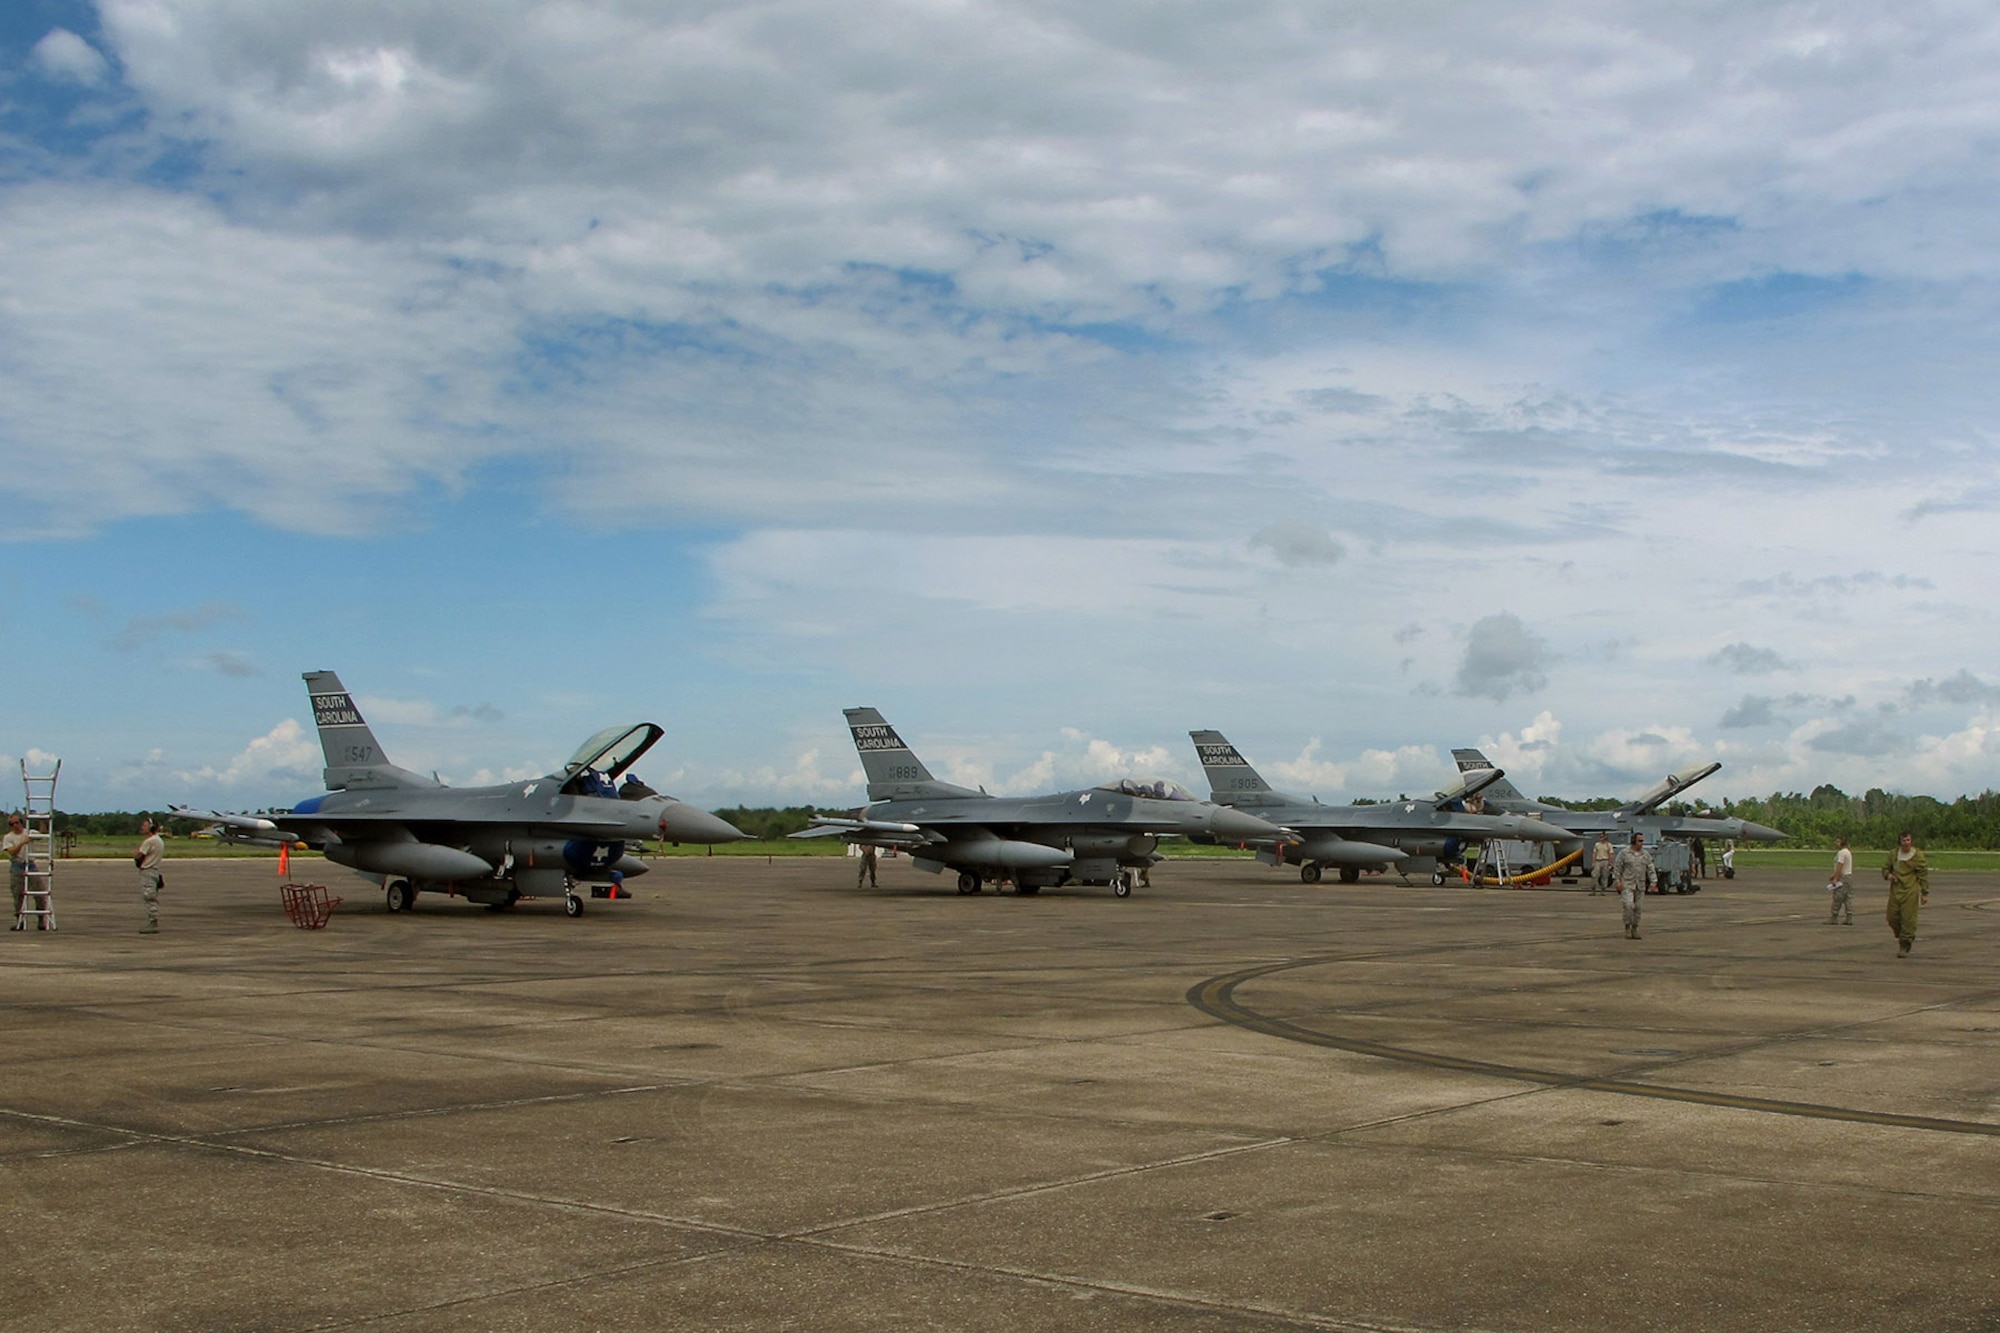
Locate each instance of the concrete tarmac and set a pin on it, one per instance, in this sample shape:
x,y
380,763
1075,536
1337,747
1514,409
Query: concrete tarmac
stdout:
x,y
758,1098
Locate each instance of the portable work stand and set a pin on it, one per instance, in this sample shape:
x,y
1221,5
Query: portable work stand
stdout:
x,y
38,904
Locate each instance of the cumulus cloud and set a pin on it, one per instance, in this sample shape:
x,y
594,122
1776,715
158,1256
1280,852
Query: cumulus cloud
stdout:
x,y
1608,315
1503,657
1746,660
1374,774
1296,541
64,55
1963,688
284,756
804,781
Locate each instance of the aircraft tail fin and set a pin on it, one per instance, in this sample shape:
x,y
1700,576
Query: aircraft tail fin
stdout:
x,y
893,771
1231,780
353,757
1500,789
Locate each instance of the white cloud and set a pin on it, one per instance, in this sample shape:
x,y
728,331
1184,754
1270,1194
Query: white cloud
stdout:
x,y
65,55
1374,774
187,361
1296,542
1062,341
801,782
284,756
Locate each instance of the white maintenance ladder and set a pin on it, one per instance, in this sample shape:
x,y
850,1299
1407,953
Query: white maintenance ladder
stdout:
x,y
38,904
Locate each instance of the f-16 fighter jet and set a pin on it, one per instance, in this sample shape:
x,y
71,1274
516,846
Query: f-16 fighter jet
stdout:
x,y
1353,838
1101,835
492,845
1581,826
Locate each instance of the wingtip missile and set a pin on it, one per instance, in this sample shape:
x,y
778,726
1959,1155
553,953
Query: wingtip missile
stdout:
x,y
254,830
864,825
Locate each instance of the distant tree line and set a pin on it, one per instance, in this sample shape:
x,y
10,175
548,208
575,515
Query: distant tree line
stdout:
x,y
118,823
1874,819
766,822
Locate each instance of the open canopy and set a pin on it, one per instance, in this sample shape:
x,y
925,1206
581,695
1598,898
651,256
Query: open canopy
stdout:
x,y
1158,789
614,749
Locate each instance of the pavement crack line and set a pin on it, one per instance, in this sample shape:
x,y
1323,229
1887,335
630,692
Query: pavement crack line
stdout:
x,y
819,1236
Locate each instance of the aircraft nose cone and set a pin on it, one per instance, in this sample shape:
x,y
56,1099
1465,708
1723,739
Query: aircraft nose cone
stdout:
x,y
1762,832
1235,826
684,823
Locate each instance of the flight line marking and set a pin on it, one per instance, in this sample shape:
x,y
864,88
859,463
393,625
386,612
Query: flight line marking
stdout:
x,y
1216,997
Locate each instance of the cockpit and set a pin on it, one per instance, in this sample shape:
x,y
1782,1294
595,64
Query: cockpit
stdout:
x,y
599,762
1156,789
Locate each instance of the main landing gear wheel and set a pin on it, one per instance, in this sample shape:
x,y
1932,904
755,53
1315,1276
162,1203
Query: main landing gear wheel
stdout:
x,y
1437,879
1027,890
1350,874
968,882
1309,873
1121,887
402,897
572,905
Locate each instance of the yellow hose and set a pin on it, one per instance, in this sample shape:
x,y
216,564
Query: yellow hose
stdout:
x,y
1549,870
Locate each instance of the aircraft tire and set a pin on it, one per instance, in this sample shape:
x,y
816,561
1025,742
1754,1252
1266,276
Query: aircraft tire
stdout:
x,y
572,905
1437,879
968,882
1027,890
1350,874
401,897
1309,873
1121,887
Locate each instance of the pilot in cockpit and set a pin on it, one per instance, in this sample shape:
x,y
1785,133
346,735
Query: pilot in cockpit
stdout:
x,y
634,790
590,782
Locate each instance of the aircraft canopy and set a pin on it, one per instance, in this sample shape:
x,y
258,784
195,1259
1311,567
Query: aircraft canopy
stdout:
x,y
614,749
1158,789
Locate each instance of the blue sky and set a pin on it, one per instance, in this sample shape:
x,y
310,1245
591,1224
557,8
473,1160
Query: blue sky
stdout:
x,y
1605,385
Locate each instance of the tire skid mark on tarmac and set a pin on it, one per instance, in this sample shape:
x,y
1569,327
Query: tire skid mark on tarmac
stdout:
x,y
1216,997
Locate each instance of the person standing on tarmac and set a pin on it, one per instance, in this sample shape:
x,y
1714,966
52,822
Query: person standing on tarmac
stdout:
x,y
1632,871
1841,886
1601,857
1909,879
147,856
15,844
865,872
